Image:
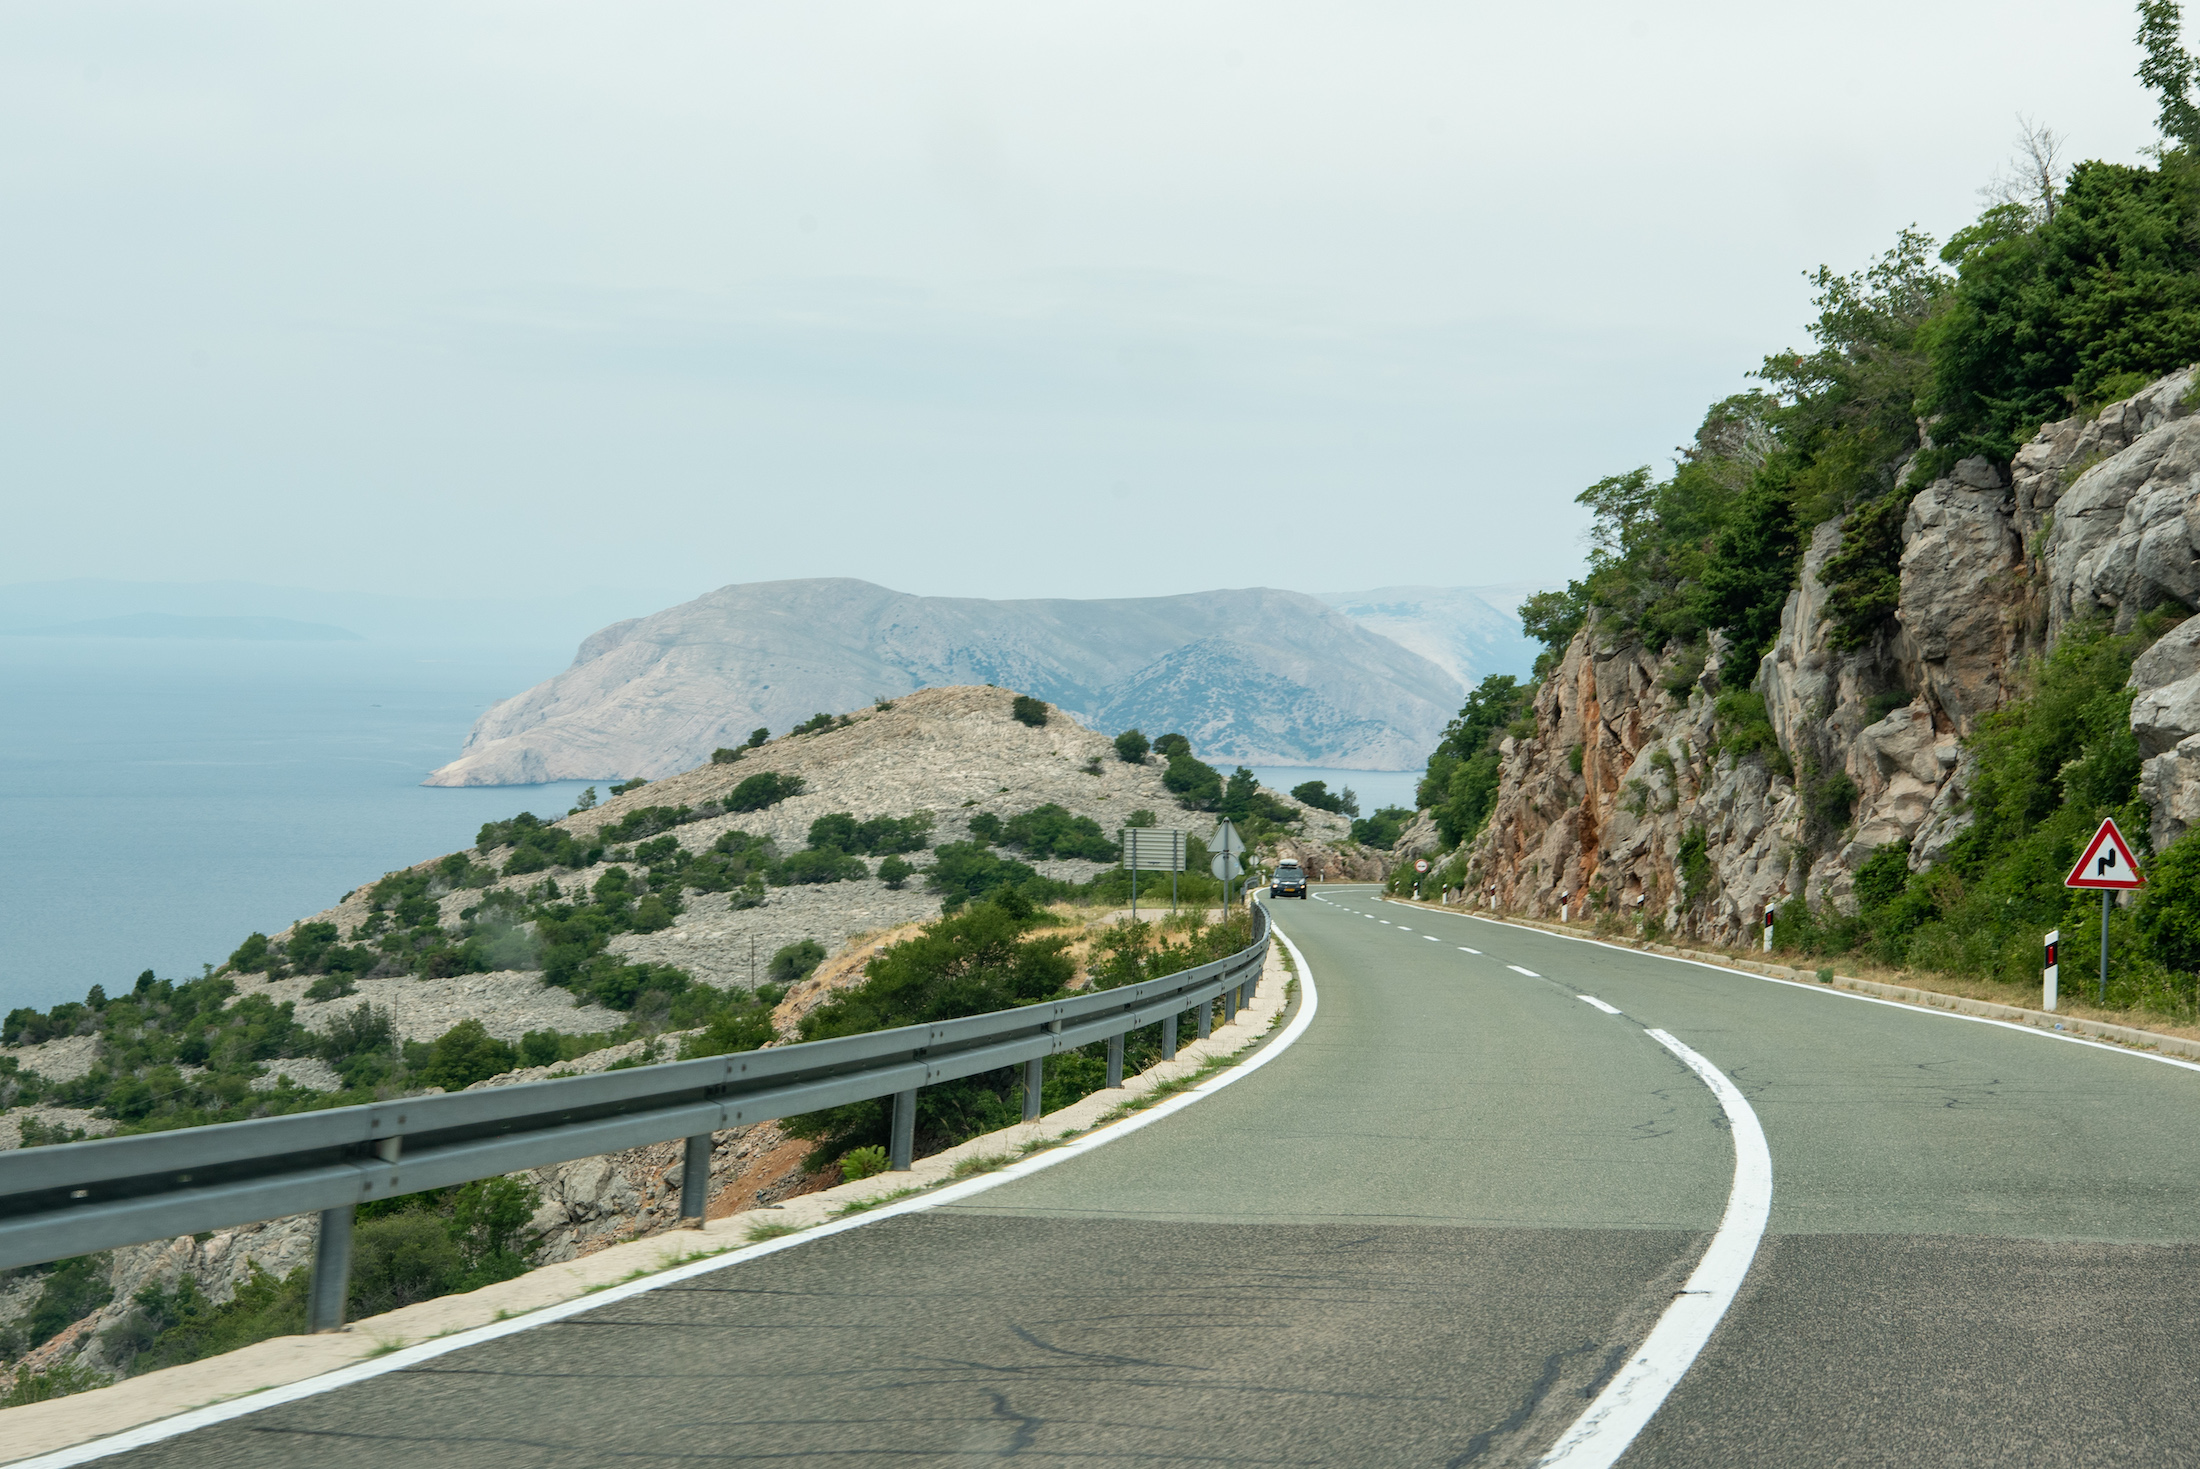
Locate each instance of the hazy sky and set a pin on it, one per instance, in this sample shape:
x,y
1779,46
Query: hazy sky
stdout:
x,y
983,299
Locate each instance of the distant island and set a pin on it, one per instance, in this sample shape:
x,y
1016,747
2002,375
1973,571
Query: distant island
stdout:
x,y
166,625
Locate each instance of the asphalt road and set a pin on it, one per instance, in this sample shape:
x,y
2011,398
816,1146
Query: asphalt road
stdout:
x,y
1428,1234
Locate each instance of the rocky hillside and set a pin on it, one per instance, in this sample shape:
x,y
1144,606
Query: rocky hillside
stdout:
x,y
952,756
2098,515
1259,676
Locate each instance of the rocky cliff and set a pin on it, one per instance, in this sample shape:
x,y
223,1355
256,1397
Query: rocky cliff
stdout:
x,y
1257,675
2096,516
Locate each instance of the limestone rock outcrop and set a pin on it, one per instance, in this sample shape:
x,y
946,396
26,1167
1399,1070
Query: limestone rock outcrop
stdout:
x,y
2096,516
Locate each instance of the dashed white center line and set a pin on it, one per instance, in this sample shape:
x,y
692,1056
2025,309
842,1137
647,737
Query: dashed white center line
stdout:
x,y
1593,1000
1515,968
1432,938
1465,950
1385,922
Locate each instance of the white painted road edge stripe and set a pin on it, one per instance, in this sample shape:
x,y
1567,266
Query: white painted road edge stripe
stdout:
x,y
1830,993
398,1361
1604,1432
1515,968
1593,1000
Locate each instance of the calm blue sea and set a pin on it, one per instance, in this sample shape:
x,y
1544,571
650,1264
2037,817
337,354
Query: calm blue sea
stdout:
x,y
162,799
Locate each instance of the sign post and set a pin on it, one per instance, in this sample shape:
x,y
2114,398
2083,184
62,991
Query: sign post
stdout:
x,y
2109,866
2052,974
1154,850
1226,844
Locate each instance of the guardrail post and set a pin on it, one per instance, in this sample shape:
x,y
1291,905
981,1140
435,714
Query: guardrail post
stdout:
x,y
902,1149
1229,1005
1168,1039
695,1182
1115,1060
1206,1018
331,1271
1034,1082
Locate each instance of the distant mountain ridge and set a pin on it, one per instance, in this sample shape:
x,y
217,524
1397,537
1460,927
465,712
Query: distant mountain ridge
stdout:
x,y
1469,632
1254,675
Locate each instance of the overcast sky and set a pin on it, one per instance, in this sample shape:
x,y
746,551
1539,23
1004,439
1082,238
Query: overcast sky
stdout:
x,y
977,299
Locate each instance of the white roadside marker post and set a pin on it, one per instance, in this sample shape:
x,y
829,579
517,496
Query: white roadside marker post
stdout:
x,y
1771,913
2050,976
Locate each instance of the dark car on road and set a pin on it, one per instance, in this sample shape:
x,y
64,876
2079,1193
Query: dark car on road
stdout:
x,y
1287,881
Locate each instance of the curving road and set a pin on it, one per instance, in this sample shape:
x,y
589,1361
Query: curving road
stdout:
x,y
1431,1233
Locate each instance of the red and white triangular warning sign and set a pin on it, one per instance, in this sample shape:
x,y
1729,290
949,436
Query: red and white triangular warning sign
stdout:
x,y
2107,862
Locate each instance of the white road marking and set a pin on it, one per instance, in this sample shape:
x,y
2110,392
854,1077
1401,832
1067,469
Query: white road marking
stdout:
x,y
1907,1006
1515,968
398,1361
1603,1432
1432,938
1465,950
1593,1000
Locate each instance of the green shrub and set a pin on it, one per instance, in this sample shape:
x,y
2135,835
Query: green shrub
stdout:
x,y
1195,784
1315,793
644,821
465,1054
27,1387
764,789
895,873
1027,710
1141,820
986,827
2168,908
841,832
1051,831
814,866
1169,746
860,1163
1131,747
1460,789
1383,828
1745,729
725,756
1573,758
796,962
963,871
628,785
815,724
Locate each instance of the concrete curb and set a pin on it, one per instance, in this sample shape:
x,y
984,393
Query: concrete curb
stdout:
x,y
40,1428
2124,1035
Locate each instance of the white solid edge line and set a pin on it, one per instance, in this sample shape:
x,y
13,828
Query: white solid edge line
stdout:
x,y
1609,1425
1827,992
398,1361
1593,1000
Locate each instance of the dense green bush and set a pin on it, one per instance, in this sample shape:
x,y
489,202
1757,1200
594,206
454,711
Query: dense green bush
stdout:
x,y
1027,710
724,755
643,821
465,1054
1383,828
1051,831
1131,746
875,837
815,724
1460,786
962,871
986,827
1316,793
895,873
763,789
796,962
817,865
1171,745
1196,785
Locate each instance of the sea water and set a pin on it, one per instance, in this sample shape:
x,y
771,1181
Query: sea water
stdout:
x,y
163,799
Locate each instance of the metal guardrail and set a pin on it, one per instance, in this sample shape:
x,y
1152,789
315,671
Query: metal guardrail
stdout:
x,y
74,1198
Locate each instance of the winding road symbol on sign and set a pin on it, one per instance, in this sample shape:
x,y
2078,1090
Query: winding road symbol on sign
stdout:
x,y
2107,863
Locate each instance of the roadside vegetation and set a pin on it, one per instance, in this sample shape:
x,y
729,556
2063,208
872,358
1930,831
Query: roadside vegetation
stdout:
x,y
2068,293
